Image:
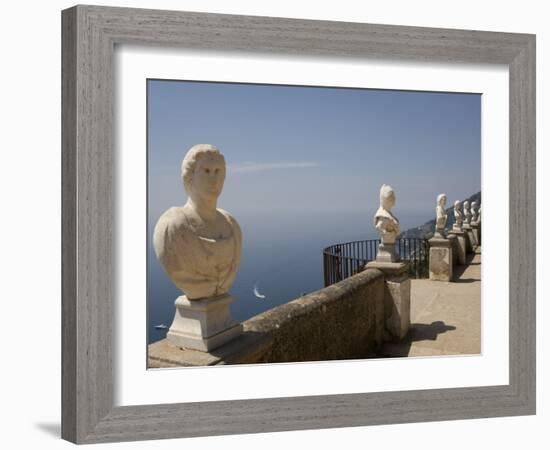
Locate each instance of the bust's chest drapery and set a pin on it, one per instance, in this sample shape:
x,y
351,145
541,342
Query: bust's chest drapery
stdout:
x,y
198,264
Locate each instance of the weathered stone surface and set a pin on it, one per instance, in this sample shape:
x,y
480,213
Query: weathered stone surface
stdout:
x,y
461,246
478,223
476,232
203,324
468,237
454,247
441,260
247,348
342,321
397,298
471,238
390,270
165,354
386,253
398,319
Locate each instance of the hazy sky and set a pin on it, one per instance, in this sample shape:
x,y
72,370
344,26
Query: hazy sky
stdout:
x,y
308,149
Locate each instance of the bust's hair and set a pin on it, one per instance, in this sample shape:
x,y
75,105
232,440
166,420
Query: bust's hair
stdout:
x,y
439,197
466,204
457,203
193,156
473,204
386,191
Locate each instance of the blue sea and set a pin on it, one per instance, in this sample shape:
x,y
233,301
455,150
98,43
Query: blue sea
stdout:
x,y
281,258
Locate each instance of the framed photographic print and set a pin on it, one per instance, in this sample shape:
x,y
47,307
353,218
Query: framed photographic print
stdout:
x,y
256,209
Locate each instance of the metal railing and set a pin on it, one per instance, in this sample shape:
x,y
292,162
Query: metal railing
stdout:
x,y
341,261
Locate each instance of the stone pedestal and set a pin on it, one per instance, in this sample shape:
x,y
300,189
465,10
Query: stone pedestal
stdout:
x,y
472,238
386,253
476,232
480,232
469,238
454,247
397,297
441,259
203,324
461,245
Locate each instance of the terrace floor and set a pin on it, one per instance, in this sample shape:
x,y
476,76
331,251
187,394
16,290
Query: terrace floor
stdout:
x,y
445,316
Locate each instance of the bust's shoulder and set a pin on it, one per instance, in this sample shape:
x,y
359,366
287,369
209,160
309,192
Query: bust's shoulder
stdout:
x,y
227,215
171,216
384,215
171,233
172,220
232,221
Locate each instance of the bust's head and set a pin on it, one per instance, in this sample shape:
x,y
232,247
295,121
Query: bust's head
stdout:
x,y
203,172
442,200
466,205
387,197
457,205
474,205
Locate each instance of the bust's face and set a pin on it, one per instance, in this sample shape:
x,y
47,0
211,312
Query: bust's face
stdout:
x,y
442,201
208,177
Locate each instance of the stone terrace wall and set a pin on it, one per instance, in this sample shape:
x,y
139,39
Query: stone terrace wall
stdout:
x,y
342,321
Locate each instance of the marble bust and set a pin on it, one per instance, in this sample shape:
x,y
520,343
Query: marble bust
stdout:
x,y
467,213
387,225
473,211
440,216
458,216
384,221
198,244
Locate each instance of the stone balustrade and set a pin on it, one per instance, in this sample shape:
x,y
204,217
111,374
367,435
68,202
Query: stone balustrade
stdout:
x,y
350,319
346,320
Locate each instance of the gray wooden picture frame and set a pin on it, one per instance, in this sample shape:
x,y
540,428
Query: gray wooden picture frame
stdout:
x,y
88,267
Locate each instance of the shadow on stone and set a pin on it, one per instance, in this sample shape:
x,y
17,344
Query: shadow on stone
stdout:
x,y
423,332
53,429
467,280
459,270
417,332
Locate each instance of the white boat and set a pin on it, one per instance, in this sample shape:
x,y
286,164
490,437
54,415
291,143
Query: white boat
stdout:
x,y
257,293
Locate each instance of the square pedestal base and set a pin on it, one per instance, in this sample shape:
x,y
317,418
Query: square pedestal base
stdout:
x,y
475,233
454,247
461,247
470,243
441,260
203,324
386,253
397,297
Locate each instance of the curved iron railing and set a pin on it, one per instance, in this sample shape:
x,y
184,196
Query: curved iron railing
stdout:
x,y
341,261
